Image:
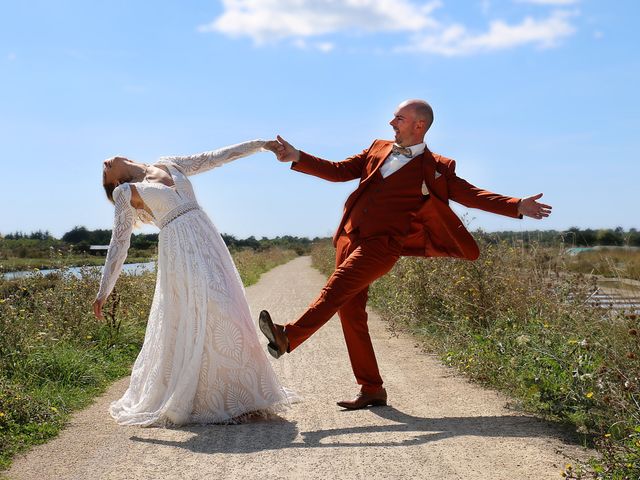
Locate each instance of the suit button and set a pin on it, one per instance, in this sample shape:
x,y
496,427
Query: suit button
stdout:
x,y
365,210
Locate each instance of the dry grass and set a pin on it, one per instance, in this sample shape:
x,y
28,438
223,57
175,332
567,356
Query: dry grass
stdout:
x,y
55,356
516,321
614,263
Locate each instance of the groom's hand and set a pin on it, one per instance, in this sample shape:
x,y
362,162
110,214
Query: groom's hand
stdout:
x,y
530,207
285,152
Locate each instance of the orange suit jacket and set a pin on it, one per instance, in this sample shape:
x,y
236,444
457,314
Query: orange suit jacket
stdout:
x,y
436,231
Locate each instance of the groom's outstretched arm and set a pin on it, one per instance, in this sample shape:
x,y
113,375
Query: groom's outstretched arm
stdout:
x,y
343,171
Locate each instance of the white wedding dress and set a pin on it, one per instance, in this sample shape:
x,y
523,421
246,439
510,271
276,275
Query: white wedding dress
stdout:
x,y
201,361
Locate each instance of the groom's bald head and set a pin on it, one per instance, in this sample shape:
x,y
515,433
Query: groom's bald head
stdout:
x,y
422,111
411,121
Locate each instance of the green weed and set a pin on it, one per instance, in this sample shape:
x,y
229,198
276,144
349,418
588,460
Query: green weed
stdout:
x,y
515,320
55,356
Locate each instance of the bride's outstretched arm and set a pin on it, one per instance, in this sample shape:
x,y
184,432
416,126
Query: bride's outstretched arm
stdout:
x,y
201,162
124,220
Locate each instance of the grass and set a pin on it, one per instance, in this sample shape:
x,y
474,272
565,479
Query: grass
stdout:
x,y
252,263
55,357
614,263
515,321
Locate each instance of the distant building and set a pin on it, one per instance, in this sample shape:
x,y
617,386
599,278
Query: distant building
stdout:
x,y
577,250
98,249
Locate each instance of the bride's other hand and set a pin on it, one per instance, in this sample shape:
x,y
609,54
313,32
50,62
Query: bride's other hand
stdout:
x,y
97,308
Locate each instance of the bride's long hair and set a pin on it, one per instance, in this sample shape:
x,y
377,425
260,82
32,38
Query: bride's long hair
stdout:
x,y
108,189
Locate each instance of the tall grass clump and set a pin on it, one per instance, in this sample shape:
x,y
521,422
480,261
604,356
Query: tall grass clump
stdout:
x,y
253,263
516,321
55,356
608,262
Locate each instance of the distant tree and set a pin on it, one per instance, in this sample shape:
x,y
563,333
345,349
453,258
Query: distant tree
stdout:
x,y
144,241
15,236
40,235
588,238
100,237
229,240
77,235
609,237
82,247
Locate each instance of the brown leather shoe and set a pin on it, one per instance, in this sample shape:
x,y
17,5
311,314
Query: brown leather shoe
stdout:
x,y
363,399
278,341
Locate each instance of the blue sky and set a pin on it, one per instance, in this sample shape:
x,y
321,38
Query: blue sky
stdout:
x,y
529,96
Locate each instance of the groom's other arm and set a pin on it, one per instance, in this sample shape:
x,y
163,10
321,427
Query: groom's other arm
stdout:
x,y
469,195
343,171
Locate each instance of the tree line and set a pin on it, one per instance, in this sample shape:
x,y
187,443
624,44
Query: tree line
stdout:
x,y
572,237
40,243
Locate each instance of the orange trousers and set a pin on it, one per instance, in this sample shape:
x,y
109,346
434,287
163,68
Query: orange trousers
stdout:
x,y
358,263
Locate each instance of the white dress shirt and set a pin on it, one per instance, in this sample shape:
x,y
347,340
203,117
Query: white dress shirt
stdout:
x,y
395,162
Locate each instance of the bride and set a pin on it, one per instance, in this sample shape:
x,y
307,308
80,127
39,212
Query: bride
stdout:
x,y
201,361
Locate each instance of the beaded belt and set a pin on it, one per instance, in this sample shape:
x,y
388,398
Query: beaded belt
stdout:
x,y
178,211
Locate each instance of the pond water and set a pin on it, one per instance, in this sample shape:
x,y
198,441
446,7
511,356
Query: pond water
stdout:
x,y
130,268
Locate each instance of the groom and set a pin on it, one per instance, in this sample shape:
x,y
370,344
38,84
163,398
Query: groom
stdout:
x,y
401,207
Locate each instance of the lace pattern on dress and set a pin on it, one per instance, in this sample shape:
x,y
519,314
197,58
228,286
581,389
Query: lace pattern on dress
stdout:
x,y
201,360
124,220
201,162
176,212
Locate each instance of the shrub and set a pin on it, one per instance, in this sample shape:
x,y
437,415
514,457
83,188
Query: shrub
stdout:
x,y
517,321
55,355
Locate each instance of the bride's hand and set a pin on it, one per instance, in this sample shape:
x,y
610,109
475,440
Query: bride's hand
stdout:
x,y
97,308
272,146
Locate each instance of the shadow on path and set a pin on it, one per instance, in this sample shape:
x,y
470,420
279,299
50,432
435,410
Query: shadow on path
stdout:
x,y
402,431
420,430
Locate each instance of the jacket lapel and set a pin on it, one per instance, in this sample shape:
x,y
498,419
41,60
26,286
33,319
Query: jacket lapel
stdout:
x,y
378,159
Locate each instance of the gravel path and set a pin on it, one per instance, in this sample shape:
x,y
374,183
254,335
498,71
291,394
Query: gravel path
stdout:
x,y
438,426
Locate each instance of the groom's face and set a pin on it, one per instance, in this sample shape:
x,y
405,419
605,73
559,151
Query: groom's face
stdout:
x,y
404,126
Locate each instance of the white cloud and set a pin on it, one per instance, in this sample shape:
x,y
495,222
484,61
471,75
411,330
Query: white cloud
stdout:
x,y
325,46
314,24
272,20
302,44
555,3
457,40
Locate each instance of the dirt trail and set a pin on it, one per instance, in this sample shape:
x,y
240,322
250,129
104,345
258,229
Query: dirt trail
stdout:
x,y
438,426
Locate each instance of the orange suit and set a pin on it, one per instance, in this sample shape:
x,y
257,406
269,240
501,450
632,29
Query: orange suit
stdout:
x,y
406,213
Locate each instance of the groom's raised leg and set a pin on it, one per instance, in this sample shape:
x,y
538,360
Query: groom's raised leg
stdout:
x,y
278,341
363,263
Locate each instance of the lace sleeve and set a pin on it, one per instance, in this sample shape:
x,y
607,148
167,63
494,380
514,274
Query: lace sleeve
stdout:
x,y
201,162
120,239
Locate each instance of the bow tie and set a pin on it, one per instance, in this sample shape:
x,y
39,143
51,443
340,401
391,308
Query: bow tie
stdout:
x,y
398,150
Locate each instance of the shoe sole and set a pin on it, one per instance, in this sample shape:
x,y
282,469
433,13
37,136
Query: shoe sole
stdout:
x,y
265,324
273,351
374,403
